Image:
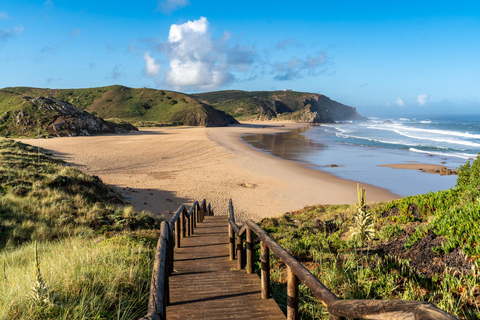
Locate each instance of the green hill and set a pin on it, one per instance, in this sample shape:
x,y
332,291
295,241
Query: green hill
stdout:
x,y
27,116
287,105
136,105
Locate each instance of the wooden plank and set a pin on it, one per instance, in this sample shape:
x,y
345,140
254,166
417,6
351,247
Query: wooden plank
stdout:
x,y
207,285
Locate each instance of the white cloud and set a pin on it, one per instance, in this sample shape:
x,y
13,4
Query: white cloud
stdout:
x,y
296,68
3,15
151,67
168,6
8,33
194,59
422,99
400,102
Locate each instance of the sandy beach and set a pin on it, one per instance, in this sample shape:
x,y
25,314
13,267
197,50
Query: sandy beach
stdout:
x,y
159,169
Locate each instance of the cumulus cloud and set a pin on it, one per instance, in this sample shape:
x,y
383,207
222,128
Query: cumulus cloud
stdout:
x,y
400,102
423,99
195,60
3,15
296,68
9,33
168,6
151,67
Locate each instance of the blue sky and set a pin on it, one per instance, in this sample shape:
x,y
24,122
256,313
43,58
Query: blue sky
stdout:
x,y
383,57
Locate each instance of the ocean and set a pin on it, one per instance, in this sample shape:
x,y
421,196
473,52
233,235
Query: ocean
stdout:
x,y
353,150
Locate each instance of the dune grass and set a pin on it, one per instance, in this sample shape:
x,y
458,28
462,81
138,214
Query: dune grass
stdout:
x,y
94,250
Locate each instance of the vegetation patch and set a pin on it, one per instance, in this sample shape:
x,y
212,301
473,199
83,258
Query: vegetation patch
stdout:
x,y
424,247
94,251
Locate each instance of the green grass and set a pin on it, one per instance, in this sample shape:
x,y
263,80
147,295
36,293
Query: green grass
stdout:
x,y
94,278
130,104
95,251
436,256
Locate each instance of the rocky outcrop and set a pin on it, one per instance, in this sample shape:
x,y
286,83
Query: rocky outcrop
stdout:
x,y
57,118
329,110
206,116
288,105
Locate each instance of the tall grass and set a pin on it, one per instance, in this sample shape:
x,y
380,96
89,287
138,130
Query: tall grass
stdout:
x,y
97,278
91,263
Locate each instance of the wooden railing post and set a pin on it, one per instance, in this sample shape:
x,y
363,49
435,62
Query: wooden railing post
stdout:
x,y
231,238
265,260
292,295
182,223
188,224
171,251
198,213
192,222
249,245
166,283
239,252
177,233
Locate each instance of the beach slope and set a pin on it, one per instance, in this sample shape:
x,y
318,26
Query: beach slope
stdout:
x,y
160,169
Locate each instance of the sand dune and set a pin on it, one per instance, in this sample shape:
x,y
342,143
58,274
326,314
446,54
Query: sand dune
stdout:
x,y
162,168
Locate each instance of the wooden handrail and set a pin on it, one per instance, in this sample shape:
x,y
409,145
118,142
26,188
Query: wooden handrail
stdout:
x,y
182,224
337,308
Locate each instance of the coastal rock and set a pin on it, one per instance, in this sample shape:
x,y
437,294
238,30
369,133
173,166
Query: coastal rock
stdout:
x,y
284,105
59,118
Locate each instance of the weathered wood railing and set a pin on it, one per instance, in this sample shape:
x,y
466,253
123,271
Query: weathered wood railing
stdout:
x,y
296,272
182,224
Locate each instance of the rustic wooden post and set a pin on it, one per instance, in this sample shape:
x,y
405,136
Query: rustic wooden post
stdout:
x,y
292,295
192,222
265,260
177,233
170,248
194,216
239,252
198,213
231,237
182,223
166,284
188,224
249,245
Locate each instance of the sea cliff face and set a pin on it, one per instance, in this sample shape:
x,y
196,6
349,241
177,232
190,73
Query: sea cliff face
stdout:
x,y
285,105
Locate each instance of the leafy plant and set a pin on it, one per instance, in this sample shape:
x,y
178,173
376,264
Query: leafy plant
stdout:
x,y
363,227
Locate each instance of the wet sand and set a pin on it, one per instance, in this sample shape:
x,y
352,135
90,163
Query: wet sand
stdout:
x,y
160,169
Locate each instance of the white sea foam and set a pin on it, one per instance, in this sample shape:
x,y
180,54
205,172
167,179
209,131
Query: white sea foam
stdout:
x,y
446,154
349,136
426,121
466,135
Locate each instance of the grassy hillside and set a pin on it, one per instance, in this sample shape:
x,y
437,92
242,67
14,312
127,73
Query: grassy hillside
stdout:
x,y
135,105
424,247
23,116
288,105
94,251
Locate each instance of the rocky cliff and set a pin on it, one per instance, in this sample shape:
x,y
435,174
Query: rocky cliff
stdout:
x,y
54,117
288,105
